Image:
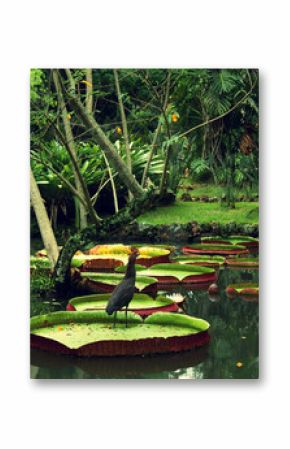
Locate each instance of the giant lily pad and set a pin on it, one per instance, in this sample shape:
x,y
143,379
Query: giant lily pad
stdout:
x,y
141,304
173,273
249,262
243,289
117,248
143,247
91,262
92,334
106,282
204,261
214,249
111,256
242,240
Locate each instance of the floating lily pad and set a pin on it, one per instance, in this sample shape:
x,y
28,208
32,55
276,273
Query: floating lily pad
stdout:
x,y
104,257
242,240
106,282
243,289
141,304
91,262
252,262
92,334
204,261
214,249
117,248
173,273
170,248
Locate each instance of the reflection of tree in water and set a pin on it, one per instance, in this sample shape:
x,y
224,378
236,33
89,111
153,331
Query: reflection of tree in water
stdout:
x,y
234,329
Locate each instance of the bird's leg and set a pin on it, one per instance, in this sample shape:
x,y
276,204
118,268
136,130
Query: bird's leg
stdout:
x,y
115,315
126,316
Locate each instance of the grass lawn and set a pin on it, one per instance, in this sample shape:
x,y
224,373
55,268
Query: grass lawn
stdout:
x,y
202,189
184,212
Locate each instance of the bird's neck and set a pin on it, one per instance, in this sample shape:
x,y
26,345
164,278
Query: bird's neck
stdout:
x,y
131,270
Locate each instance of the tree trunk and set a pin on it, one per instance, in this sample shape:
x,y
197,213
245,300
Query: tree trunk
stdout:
x,y
89,96
80,210
114,191
124,121
108,148
70,146
44,224
157,131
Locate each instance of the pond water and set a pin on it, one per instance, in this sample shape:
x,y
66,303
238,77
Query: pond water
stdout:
x,y
231,354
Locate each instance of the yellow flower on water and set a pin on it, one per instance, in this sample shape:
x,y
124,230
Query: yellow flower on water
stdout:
x,y
87,83
68,116
239,364
119,130
174,118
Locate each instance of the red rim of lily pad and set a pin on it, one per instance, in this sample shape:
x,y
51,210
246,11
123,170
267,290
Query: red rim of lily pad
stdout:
x,y
101,264
191,274
242,262
198,279
211,249
102,287
109,263
201,260
105,348
243,289
169,305
248,242
95,285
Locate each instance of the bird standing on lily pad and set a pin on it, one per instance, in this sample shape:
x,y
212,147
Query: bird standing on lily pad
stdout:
x,y
124,292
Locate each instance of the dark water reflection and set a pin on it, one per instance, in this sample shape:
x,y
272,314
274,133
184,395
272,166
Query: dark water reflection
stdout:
x,y
234,338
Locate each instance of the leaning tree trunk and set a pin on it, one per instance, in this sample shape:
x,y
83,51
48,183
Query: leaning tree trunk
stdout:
x,y
44,224
108,148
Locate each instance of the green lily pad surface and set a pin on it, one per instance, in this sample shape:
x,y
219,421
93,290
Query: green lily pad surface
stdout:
x,y
232,239
139,301
80,259
179,271
122,269
200,260
119,252
76,329
115,279
120,249
155,247
214,249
